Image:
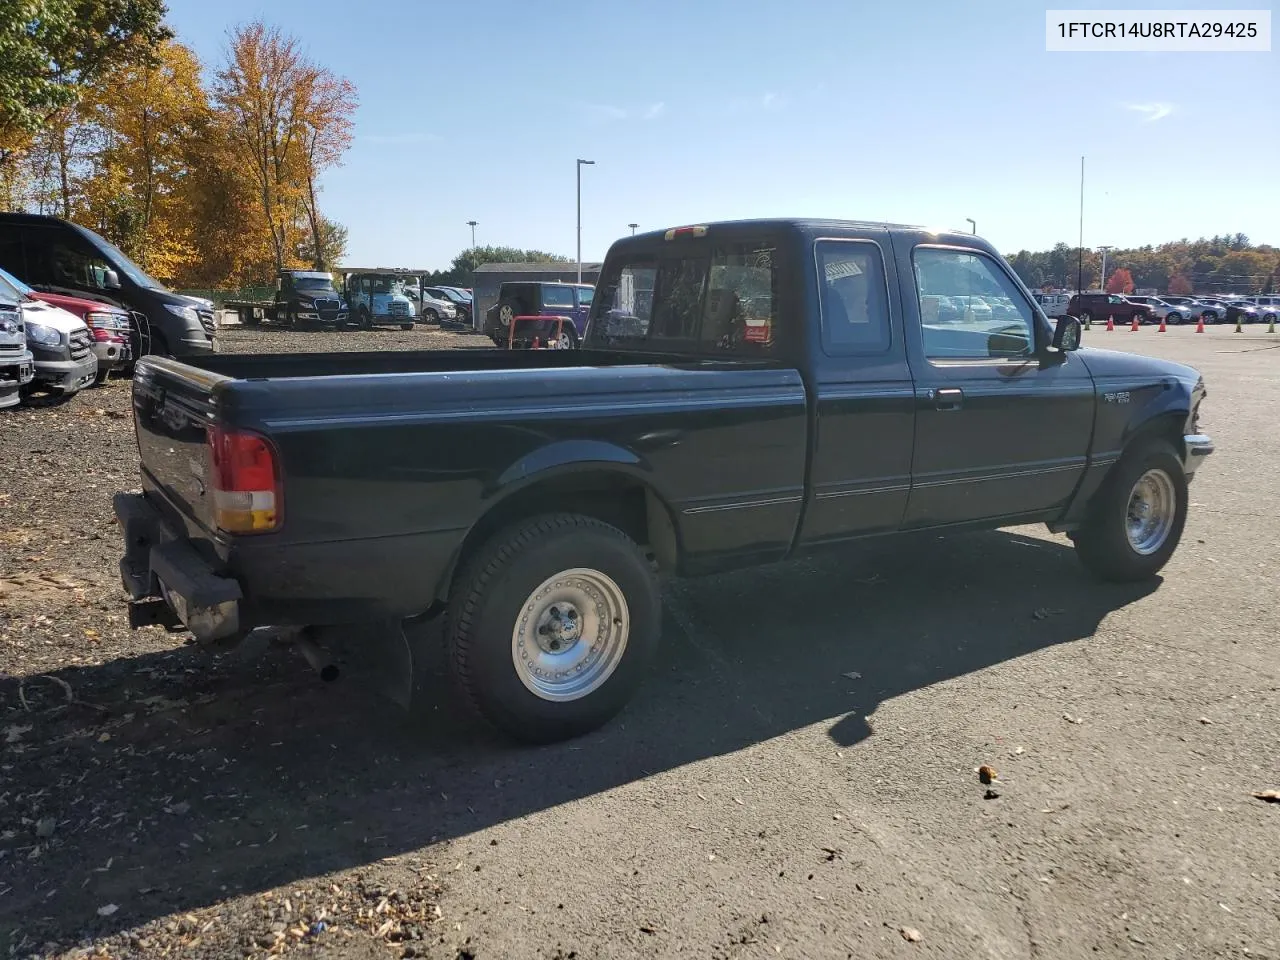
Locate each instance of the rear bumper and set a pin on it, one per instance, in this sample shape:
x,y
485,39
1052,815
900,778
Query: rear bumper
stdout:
x,y
1198,446
158,564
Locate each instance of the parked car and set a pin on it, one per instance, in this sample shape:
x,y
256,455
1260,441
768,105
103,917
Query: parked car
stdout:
x,y
56,256
61,347
17,366
1099,306
377,299
1054,305
1242,311
540,299
108,326
759,405
431,305
460,304
1160,309
1268,307
1194,308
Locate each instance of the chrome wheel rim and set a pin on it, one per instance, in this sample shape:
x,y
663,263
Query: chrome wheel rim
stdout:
x,y
1153,504
563,342
505,314
571,636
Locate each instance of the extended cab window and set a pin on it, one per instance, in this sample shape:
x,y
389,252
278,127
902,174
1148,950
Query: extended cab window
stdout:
x,y
714,304
969,308
855,309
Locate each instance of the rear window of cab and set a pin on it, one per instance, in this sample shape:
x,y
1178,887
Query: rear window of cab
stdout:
x,y
716,301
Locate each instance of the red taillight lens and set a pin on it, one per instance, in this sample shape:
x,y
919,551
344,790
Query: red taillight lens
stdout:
x,y
246,481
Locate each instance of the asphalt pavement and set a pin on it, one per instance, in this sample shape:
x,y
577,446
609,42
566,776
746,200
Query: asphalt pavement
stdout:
x,y
798,778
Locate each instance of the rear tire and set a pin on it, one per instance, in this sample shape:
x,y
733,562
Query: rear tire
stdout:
x,y
523,608
1121,540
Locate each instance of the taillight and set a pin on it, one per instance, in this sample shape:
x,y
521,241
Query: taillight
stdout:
x,y
246,481
699,231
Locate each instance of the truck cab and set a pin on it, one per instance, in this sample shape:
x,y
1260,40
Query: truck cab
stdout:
x,y
309,297
377,299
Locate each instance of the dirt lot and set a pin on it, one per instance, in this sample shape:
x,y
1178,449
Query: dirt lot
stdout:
x,y
797,779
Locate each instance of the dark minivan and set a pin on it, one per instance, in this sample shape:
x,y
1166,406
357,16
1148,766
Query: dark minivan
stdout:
x,y
56,256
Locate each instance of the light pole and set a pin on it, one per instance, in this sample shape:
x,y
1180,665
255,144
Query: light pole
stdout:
x,y
1103,281
581,163
973,224
472,225
633,228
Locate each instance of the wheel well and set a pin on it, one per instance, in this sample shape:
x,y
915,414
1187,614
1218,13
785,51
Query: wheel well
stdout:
x,y
614,498
1166,426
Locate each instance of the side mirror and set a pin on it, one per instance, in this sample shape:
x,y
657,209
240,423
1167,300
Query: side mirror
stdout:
x,y
1066,337
111,280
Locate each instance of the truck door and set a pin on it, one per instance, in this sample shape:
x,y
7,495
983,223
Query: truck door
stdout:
x,y
864,404
998,434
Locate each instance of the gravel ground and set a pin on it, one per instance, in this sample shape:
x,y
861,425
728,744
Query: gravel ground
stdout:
x,y
798,778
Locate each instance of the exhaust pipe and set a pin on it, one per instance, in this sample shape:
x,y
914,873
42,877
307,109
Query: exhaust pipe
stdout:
x,y
318,658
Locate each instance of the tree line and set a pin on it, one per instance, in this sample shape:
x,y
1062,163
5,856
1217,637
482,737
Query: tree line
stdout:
x,y
1220,264
206,178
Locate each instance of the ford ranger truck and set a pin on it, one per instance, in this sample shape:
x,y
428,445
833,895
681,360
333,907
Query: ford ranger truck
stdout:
x,y
744,393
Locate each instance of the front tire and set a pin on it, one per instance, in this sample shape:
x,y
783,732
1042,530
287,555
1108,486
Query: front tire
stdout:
x,y
1137,517
551,626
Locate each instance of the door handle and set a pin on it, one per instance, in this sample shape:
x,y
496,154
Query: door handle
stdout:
x,y
949,398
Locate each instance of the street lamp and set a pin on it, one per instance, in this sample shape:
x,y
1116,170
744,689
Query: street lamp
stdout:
x,y
973,224
472,225
633,228
581,163
1103,281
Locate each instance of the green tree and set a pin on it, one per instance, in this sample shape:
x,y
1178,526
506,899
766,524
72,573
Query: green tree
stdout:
x,y
51,50
461,272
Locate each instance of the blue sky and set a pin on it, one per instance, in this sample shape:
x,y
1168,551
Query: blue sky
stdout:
x,y
920,112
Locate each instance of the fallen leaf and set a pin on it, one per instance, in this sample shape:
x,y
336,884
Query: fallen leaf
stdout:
x,y
1206,721
987,774
178,809
1270,796
107,910
45,827
1070,719
853,675
1044,613
13,733
910,934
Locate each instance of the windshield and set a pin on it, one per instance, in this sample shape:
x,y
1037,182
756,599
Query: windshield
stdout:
x,y
314,284
11,288
443,294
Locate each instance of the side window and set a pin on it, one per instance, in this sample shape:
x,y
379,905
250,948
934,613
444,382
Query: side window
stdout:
x,y
969,308
738,316
585,296
557,298
72,265
855,309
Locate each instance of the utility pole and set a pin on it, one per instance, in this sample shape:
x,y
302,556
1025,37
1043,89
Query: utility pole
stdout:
x,y
633,228
1104,266
581,164
1080,248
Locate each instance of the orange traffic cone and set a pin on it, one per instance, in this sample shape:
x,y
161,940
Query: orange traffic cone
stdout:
x,y
1134,328
1200,326
1162,326
1111,324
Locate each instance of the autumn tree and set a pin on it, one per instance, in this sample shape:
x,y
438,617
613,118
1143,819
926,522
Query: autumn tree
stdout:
x,y
1180,286
1120,282
291,118
152,114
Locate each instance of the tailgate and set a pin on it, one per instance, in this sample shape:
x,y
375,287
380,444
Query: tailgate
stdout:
x,y
173,407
